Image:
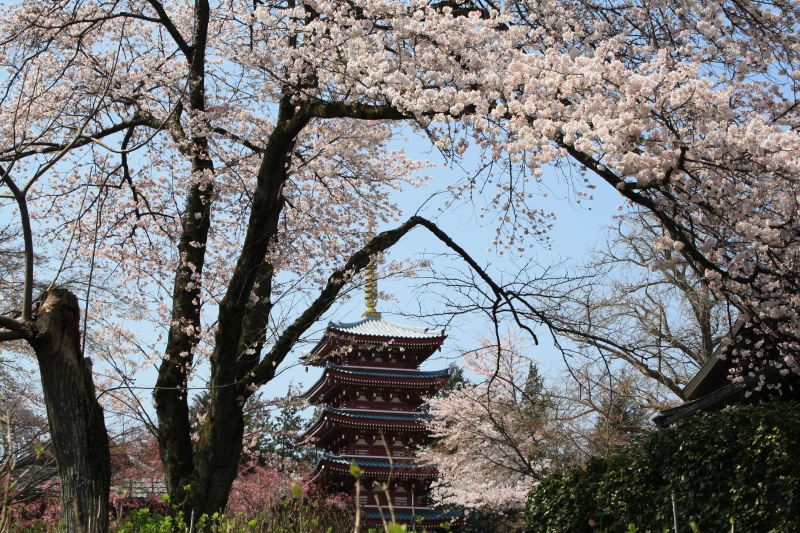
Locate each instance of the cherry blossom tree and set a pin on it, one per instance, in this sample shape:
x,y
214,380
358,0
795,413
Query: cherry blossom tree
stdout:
x,y
209,169
494,439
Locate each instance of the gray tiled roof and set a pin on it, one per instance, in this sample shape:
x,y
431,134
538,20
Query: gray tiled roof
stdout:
x,y
366,415
404,515
378,327
374,463
375,373
378,373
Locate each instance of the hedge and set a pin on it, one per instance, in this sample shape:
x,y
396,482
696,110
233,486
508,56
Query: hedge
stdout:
x,y
742,465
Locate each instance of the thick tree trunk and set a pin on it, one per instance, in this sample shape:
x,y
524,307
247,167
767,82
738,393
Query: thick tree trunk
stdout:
x,y
77,427
216,460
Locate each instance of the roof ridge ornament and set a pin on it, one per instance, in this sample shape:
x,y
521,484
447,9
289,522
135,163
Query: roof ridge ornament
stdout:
x,y
371,287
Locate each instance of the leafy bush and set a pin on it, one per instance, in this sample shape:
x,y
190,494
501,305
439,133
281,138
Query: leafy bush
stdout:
x,y
146,521
301,513
313,514
742,465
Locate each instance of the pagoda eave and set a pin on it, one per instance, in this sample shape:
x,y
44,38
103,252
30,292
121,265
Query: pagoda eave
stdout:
x,y
374,334
399,471
333,343
331,423
340,377
429,517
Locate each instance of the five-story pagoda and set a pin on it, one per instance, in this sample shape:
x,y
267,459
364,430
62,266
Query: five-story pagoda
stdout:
x,y
373,390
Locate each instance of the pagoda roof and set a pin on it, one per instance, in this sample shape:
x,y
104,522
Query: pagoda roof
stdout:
x,y
379,327
371,415
370,372
374,331
428,515
388,373
364,419
377,468
375,463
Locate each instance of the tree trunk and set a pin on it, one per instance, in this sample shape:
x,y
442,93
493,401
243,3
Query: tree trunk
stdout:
x,y
77,427
216,460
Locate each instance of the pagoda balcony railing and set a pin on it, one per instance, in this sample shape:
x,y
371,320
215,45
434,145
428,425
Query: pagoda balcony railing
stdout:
x,y
378,451
388,364
380,405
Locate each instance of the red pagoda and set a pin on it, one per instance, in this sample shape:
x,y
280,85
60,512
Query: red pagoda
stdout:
x,y
373,390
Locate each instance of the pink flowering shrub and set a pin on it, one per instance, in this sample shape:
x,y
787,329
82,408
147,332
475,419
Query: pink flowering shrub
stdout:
x,y
137,479
40,513
257,489
286,498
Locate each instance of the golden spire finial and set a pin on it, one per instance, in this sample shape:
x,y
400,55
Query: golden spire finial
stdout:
x,y
371,288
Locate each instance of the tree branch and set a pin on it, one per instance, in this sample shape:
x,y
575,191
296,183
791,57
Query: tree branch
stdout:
x,y
11,323
321,109
11,335
184,47
336,281
27,235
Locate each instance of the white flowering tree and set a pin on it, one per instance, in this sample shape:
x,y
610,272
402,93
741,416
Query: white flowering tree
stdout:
x,y
207,168
495,439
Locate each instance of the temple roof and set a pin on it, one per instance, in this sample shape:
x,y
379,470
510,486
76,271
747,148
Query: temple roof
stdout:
x,y
393,373
367,415
378,374
378,327
375,463
376,332
378,468
428,515
712,388
362,418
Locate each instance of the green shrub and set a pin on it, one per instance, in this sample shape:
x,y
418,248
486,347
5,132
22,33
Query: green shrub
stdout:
x,y
146,521
298,515
742,465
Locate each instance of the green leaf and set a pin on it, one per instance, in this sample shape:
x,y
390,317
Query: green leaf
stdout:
x,y
355,470
297,490
397,528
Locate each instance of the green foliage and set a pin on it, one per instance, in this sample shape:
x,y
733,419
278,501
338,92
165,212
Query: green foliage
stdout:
x,y
456,381
298,515
479,521
38,527
297,491
741,466
620,415
144,521
303,515
534,401
355,470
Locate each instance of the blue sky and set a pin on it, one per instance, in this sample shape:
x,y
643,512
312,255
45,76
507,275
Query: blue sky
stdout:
x,y
577,229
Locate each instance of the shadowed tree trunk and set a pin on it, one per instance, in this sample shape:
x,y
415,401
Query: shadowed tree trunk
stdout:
x,y
77,428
